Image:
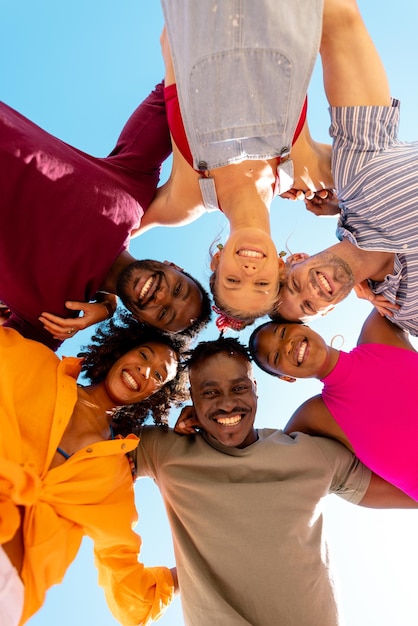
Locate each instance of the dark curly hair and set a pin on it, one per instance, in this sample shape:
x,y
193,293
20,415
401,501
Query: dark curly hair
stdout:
x,y
112,339
222,345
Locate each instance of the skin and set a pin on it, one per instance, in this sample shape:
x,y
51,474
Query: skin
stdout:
x,y
315,284
276,345
224,397
353,76
171,303
151,365
247,270
294,350
231,391
245,191
160,294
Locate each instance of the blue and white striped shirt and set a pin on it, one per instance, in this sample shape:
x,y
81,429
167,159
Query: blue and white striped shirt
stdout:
x,y
376,177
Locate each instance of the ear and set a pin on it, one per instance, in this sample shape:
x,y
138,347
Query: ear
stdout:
x,y
176,267
214,262
288,379
282,268
297,258
187,421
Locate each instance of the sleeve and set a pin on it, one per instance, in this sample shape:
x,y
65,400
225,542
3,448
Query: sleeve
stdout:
x,y
151,450
135,594
145,141
350,478
32,331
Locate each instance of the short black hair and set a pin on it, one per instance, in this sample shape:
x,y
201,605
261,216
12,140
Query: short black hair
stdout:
x,y
206,349
114,338
253,351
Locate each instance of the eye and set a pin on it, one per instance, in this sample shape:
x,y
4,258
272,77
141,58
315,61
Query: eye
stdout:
x,y
309,307
294,284
177,289
282,332
262,283
240,388
159,377
232,280
208,393
163,313
144,355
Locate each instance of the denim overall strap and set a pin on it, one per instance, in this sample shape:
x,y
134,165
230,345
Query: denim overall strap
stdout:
x,y
242,71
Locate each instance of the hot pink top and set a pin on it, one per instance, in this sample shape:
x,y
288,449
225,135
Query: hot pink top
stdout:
x,y
372,393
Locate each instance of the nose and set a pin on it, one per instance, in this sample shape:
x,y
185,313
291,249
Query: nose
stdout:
x,y
226,403
289,346
161,296
145,371
249,267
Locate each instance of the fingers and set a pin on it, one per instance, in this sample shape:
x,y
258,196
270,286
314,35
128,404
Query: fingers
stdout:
x,y
74,305
59,328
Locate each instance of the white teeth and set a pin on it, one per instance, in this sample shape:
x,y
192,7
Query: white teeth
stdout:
x,y
323,281
229,421
130,381
302,350
145,289
251,253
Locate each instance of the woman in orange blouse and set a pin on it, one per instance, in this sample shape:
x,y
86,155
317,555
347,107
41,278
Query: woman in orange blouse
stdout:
x,y
63,472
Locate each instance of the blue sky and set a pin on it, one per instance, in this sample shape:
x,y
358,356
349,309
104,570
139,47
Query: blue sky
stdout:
x,y
79,69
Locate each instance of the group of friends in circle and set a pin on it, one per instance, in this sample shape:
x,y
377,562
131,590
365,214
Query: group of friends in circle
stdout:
x,y
73,435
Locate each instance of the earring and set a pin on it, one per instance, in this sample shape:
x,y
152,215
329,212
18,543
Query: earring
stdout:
x,y
220,246
282,253
335,340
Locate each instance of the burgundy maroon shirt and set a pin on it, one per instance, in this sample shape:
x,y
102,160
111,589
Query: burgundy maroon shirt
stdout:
x,y
65,216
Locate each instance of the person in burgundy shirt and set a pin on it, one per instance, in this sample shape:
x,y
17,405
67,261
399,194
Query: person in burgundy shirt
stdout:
x,y
67,218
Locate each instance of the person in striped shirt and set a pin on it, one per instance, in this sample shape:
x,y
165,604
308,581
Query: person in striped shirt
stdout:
x,y
378,243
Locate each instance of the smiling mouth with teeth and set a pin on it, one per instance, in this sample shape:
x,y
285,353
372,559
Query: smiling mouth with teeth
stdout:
x,y
301,352
146,288
253,254
129,381
228,421
323,282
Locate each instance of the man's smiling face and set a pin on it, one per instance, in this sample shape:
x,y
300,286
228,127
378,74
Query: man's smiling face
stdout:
x,y
314,285
160,294
224,397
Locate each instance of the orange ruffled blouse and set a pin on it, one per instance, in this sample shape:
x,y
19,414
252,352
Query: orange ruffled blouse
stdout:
x,y
90,494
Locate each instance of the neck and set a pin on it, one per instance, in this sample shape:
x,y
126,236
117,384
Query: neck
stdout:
x,y
122,261
95,401
330,362
364,263
247,208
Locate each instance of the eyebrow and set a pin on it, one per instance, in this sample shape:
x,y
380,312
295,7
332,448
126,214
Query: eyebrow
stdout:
x,y
212,383
145,345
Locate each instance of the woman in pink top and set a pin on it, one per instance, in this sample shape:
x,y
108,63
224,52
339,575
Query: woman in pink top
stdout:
x,y
369,395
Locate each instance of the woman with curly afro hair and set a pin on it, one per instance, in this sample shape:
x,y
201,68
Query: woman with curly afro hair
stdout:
x,y
112,340
64,471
